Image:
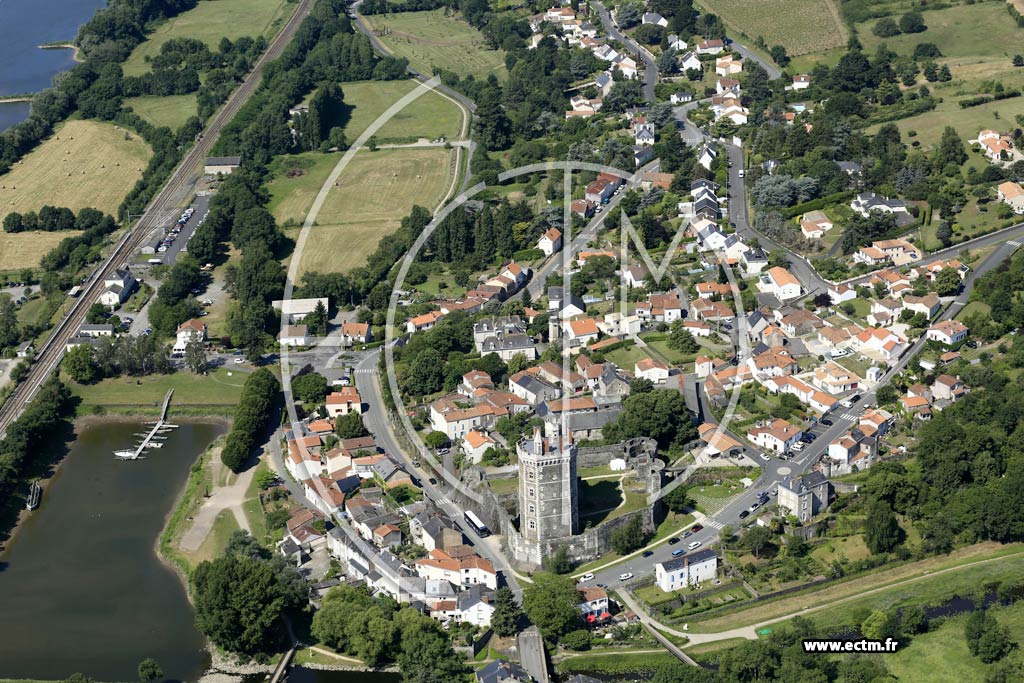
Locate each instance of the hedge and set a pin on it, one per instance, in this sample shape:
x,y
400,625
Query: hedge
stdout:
x,y
816,204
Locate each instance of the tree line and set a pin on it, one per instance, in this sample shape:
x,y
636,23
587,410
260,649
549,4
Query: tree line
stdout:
x,y
260,395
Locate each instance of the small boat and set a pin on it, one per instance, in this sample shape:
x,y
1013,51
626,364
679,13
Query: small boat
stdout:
x,y
125,455
35,496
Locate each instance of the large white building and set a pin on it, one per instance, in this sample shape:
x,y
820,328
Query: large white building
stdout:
x,y
687,570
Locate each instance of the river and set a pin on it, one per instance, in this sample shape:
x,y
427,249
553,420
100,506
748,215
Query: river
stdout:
x,y
81,587
24,25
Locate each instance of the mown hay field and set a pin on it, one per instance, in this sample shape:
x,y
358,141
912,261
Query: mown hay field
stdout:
x,y
800,26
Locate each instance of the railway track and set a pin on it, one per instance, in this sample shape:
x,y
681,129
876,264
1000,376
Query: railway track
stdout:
x,y
184,176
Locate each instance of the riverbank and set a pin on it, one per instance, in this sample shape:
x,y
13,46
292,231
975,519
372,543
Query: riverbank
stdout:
x,y
63,46
14,98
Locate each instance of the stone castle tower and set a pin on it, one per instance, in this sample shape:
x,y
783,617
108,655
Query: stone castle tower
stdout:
x,y
548,488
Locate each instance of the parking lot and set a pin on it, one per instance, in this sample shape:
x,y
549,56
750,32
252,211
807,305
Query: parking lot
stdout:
x,y
178,241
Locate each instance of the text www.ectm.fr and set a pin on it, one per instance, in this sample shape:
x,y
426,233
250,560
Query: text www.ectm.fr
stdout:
x,y
862,645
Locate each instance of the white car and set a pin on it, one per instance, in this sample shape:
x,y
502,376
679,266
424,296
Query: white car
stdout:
x,y
239,360
740,174
764,456
585,578
693,545
625,577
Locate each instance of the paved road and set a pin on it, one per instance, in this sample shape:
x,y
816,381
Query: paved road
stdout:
x,y
181,182
769,67
579,241
692,135
650,70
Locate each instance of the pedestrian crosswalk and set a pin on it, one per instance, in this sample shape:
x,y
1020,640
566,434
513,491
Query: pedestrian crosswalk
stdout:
x,y
365,371
850,416
444,501
712,523
1014,243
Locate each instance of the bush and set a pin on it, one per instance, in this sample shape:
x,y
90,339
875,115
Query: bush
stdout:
x,y
577,640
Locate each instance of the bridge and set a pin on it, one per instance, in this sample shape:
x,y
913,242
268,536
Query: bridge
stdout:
x,y
161,425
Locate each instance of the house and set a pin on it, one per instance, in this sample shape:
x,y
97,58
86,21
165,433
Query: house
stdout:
x,y
806,496
644,135
642,154
1011,193
475,443
593,603
814,224
456,420
884,312
710,47
916,405
928,304
651,369
706,155
188,331
754,261
676,43
778,436
690,569
474,606
423,322
840,293
948,388
580,332
834,378
947,332
532,389
501,671
356,333
898,252
799,322
295,310
665,308
293,335
559,15
582,208
881,342
717,441
344,402
780,283
711,311
850,168
994,146
606,53
653,18
710,290
801,82
387,536
727,66
727,85
118,286
626,66
681,97
221,165
599,191
688,61
866,202
507,346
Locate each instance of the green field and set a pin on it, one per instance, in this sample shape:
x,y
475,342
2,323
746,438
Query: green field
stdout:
x,y
430,39
371,197
210,21
84,163
801,26
967,122
217,392
170,111
429,116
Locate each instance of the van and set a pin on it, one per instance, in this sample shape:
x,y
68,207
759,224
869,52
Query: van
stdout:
x,y
677,553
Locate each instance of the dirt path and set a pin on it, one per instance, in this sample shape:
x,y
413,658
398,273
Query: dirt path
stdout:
x,y
227,497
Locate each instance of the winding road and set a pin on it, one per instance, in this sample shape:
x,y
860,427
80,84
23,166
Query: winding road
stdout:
x,y
650,70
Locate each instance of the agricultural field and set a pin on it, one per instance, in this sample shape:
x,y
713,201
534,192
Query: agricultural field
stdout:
x,y
84,163
374,193
800,26
429,39
171,111
429,116
210,21
25,249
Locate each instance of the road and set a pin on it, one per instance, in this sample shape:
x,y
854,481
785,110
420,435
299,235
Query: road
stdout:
x,y
582,238
770,68
166,203
692,135
650,69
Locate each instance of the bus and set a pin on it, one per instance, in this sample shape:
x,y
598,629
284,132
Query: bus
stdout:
x,y
474,522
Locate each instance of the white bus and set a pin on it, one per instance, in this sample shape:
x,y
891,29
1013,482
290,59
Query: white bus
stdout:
x,y
479,527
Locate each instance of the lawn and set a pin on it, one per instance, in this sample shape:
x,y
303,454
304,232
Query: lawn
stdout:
x,y
429,116
372,196
852,548
431,39
171,111
967,122
617,663
213,545
504,486
627,357
973,308
217,392
928,586
210,21
84,163
801,26
973,221
24,249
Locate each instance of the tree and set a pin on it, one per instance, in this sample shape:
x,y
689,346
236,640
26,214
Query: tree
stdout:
x,y
757,539
677,672
660,414
666,62
96,315
238,603
426,375
822,300
944,233
80,364
681,339
195,356
150,671
882,531
628,15
950,152
947,282
436,440
316,321
310,388
887,395
550,602
629,537
886,27
779,56
559,563
1018,60
578,640
987,639
505,619
879,625
678,500
350,426
912,22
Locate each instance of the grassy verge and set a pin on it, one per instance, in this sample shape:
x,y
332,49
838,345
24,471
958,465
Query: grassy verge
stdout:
x,y
623,662
215,393
200,480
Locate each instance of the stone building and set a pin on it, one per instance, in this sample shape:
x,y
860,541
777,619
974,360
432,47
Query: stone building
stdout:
x,y
548,488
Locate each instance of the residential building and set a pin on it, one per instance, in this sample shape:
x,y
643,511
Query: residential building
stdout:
x,y
1011,193
727,66
686,571
422,322
689,61
294,311
221,165
840,293
814,224
710,47
866,202
835,379
501,671
805,497
948,388
343,402
947,332
593,602
780,283
928,304
650,369
653,18
356,333
898,252
475,444
881,342
777,436
801,82
188,331
118,286
294,335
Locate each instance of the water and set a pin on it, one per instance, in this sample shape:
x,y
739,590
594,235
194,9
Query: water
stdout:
x,y
24,25
83,589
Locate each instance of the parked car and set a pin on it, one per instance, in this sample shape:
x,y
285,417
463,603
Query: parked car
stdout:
x,y
754,506
694,545
696,527
625,576
586,577
677,553
827,422
673,540
744,514
764,456
646,553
